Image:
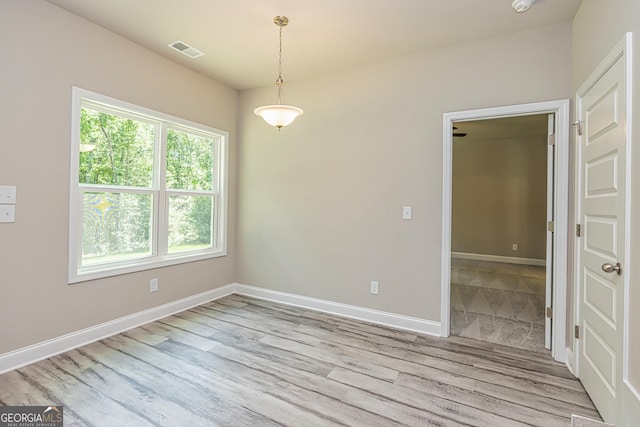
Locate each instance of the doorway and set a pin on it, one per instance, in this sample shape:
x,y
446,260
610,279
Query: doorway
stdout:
x,y
557,246
499,230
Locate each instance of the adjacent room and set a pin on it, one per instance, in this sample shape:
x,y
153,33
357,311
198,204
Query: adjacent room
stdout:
x,y
248,213
499,230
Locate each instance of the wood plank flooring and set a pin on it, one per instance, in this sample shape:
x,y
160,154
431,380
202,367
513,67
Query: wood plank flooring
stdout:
x,y
240,361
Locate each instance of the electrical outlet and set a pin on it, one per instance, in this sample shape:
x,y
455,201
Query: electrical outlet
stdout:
x,y
7,213
7,195
374,288
153,285
514,247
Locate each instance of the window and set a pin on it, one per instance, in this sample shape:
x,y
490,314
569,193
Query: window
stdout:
x,y
147,189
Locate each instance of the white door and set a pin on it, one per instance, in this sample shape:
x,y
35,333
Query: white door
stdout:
x,y
602,159
551,185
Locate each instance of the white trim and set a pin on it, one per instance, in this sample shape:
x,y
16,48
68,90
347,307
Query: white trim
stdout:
x,y
569,361
634,392
445,273
499,258
384,318
549,257
34,353
577,209
626,338
630,404
561,109
561,233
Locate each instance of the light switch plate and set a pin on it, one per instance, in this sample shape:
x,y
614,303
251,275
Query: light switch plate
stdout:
x,y
7,195
406,212
374,288
7,213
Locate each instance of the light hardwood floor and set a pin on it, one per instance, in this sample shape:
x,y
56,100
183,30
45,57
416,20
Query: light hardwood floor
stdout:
x,y
240,361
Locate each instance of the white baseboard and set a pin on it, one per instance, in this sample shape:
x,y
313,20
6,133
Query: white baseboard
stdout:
x,y
34,353
569,361
630,404
413,324
498,258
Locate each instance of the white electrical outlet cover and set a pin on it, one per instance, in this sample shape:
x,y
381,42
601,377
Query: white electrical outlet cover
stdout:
x,y
7,195
7,213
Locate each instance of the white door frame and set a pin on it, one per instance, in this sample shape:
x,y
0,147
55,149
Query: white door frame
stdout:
x,y
561,109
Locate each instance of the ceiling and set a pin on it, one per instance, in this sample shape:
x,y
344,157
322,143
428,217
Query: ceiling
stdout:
x,y
240,40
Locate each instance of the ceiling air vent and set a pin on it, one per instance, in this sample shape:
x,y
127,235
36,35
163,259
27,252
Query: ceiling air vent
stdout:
x,y
185,49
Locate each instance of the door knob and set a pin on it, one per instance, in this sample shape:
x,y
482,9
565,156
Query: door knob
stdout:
x,y
610,268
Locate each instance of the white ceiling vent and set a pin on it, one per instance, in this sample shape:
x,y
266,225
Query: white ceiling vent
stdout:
x,y
185,49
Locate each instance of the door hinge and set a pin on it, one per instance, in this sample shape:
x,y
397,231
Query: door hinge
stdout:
x,y
578,125
550,312
578,230
576,332
551,226
552,139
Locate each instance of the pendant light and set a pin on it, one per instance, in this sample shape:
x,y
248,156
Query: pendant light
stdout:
x,y
521,6
279,114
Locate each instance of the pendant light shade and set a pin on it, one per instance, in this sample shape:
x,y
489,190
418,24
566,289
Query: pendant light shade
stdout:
x,y
521,6
279,114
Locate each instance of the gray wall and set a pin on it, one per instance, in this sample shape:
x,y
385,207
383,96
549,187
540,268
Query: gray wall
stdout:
x,y
320,202
44,51
499,196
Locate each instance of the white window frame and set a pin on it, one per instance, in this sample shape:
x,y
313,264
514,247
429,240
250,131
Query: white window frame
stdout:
x,y
159,256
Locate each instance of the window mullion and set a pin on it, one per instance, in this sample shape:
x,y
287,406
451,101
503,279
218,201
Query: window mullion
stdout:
x,y
215,225
87,188
162,221
80,220
171,192
216,167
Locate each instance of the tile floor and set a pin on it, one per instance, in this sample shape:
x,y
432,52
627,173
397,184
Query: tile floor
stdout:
x,y
499,303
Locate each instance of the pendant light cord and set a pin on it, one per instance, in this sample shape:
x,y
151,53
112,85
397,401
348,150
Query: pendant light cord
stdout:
x,y
280,58
279,81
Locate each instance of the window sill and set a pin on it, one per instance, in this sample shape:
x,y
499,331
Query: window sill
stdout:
x,y
105,272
